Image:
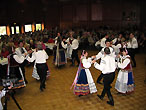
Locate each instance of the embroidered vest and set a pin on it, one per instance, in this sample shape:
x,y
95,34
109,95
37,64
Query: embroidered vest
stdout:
x,y
128,67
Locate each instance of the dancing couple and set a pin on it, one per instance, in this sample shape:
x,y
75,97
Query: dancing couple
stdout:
x,y
84,84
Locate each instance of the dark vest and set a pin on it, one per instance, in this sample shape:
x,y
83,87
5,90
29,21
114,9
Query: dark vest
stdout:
x,y
12,61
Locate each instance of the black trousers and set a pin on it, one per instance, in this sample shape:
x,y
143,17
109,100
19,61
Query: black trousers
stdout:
x,y
75,57
99,78
132,53
107,80
42,72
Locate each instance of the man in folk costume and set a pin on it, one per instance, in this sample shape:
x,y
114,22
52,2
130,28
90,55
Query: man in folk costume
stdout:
x,y
20,52
84,83
101,54
74,45
34,73
132,45
103,41
69,49
40,57
107,66
125,82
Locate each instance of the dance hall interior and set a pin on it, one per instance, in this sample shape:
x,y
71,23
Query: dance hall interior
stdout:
x,y
72,55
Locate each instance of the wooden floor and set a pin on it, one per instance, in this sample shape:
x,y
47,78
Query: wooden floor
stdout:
x,y
59,96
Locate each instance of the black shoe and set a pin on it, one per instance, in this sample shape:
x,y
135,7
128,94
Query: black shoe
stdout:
x,y
100,97
44,87
80,95
110,103
99,82
41,89
26,82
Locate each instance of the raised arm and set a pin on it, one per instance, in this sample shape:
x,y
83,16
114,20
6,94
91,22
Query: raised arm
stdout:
x,y
101,66
19,59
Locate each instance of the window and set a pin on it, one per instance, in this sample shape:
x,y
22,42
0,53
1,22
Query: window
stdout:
x,y
3,30
12,30
38,27
17,30
28,28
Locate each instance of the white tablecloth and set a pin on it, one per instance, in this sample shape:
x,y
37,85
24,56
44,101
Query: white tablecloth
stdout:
x,y
4,61
49,45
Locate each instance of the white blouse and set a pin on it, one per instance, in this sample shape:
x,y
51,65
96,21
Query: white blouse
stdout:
x,y
86,62
123,64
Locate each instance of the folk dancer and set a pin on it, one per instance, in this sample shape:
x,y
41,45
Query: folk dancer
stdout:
x,y
125,81
69,49
14,70
101,54
59,52
74,45
103,43
20,52
107,66
132,45
84,83
34,73
40,57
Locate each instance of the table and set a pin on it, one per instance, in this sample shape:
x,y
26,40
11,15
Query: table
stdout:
x,y
49,45
4,61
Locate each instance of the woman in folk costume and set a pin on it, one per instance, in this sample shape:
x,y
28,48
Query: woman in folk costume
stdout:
x,y
83,83
59,52
14,72
125,80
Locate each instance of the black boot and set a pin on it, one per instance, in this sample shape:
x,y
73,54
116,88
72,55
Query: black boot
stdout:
x,y
44,86
100,97
41,90
26,82
80,95
111,101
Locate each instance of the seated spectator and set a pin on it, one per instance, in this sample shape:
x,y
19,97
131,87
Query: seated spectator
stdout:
x,y
4,52
50,40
